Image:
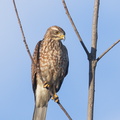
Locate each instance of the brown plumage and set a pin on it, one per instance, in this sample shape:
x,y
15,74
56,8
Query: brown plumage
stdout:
x,y
52,57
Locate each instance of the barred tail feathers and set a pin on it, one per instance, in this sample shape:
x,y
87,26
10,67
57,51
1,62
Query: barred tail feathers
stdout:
x,y
40,113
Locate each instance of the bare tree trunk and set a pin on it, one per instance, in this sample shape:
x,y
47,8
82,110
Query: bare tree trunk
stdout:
x,y
92,66
93,62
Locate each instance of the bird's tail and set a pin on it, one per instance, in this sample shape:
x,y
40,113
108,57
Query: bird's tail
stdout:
x,y
39,113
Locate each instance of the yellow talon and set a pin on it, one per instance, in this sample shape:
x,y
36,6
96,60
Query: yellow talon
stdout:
x,y
55,98
46,85
52,98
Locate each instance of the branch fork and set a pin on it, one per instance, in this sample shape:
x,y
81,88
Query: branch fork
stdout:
x,y
91,55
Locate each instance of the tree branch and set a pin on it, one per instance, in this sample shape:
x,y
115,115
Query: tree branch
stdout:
x,y
27,48
24,39
94,29
93,62
60,105
75,29
107,50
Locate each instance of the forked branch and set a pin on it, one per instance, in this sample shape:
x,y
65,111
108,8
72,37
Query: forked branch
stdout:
x,y
92,55
93,62
27,48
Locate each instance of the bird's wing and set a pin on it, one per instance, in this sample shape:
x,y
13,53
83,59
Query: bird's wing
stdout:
x,y
65,69
59,83
34,65
39,111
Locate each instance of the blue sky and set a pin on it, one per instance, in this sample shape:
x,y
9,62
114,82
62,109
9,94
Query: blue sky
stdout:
x,y
16,96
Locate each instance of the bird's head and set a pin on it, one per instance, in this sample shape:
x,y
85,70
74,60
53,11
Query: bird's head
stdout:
x,y
55,33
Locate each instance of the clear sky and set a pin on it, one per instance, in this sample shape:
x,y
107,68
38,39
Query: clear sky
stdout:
x,y
16,96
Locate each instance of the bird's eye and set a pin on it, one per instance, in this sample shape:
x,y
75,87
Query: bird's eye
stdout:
x,y
56,32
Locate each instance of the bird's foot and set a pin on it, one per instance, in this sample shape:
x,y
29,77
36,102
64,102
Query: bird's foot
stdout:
x,y
55,98
46,85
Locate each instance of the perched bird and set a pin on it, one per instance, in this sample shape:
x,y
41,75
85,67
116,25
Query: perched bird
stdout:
x,y
51,60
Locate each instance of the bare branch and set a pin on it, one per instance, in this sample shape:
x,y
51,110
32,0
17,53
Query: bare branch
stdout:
x,y
27,48
74,27
94,29
24,39
64,111
107,50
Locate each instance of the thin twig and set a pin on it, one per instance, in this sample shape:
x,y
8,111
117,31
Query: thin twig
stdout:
x,y
64,111
27,48
24,39
107,50
75,29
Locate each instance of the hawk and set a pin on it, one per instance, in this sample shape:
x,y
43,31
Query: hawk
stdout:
x,y
51,59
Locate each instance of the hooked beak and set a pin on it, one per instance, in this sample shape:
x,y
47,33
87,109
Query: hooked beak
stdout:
x,y
62,37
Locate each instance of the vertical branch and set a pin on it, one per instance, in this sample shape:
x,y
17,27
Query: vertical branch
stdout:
x,y
94,29
93,62
92,66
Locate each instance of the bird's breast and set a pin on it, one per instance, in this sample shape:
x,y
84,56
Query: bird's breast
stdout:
x,y
52,63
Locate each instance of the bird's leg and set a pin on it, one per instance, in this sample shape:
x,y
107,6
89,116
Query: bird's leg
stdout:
x,y
46,85
55,96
